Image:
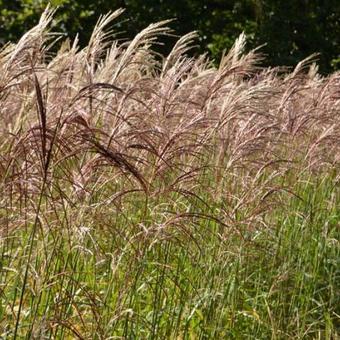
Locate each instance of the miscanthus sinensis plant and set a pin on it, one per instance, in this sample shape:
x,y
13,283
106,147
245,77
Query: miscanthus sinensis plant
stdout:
x,y
150,197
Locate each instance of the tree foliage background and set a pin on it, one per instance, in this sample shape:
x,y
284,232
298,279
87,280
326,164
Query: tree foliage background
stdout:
x,y
291,29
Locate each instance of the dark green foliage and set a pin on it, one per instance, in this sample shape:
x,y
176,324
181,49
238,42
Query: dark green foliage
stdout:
x,y
296,29
292,29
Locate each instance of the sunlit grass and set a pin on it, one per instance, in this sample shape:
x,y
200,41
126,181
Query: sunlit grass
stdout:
x,y
280,281
165,199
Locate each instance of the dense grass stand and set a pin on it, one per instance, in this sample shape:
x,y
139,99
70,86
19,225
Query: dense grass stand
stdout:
x,y
164,198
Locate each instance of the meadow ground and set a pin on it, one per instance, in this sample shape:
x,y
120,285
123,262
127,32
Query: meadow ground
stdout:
x,y
165,198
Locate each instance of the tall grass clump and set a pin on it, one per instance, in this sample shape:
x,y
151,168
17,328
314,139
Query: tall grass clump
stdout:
x,y
149,197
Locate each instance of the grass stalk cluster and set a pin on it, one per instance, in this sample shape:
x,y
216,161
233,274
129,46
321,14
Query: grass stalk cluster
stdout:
x,y
150,197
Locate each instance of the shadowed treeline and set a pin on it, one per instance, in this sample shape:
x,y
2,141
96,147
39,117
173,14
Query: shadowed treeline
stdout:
x,y
291,30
